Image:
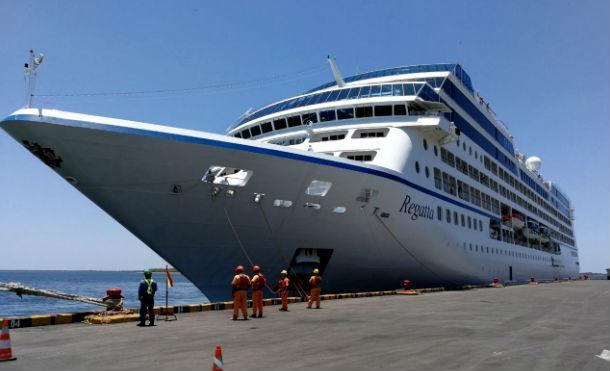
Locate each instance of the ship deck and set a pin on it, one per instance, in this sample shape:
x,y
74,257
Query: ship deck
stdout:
x,y
543,327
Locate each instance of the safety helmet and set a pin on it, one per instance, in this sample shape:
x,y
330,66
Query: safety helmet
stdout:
x,y
147,272
239,269
256,268
284,272
316,271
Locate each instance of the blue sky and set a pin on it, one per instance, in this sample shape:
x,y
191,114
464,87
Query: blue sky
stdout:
x,y
543,65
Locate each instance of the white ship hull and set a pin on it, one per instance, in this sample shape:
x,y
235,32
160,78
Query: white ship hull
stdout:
x,y
131,171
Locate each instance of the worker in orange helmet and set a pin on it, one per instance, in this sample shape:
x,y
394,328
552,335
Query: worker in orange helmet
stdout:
x,y
283,286
258,283
240,286
314,283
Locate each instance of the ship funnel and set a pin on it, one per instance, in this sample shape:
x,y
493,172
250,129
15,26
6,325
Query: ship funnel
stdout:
x,y
336,72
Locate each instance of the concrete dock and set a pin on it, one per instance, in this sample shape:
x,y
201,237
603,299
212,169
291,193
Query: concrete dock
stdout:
x,y
555,326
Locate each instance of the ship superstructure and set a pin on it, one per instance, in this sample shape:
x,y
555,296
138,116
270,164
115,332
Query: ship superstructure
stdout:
x,y
398,173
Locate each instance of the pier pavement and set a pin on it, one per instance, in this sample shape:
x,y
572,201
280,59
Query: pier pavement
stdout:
x,y
554,326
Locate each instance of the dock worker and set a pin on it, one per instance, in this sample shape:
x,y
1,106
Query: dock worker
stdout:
x,y
258,283
240,285
314,283
146,295
283,287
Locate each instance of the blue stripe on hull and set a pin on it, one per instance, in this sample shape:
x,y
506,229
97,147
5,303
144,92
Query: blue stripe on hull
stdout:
x,y
253,149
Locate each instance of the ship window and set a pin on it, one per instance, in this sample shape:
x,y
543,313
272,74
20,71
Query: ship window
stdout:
x,y
361,158
339,210
435,151
437,179
238,135
427,172
327,116
463,220
370,134
343,94
448,215
409,89
333,96
245,134
294,121
345,113
425,145
400,110
310,118
455,218
397,89
318,188
255,130
386,90
225,175
417,167
353,93
365,91
282,203
470,223
383,110
279,124
266,126
364,111
375,90
439,213
480,226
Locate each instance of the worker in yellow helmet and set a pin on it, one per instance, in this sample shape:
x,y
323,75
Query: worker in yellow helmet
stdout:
x,y
283,286
146,295
314,283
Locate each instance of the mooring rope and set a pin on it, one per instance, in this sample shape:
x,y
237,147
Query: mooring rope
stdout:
x,y
409,251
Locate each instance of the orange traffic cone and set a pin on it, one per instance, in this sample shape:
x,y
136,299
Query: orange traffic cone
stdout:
x,y
6,353
217,361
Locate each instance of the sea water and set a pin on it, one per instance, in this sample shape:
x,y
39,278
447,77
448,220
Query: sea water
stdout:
x,y
91,284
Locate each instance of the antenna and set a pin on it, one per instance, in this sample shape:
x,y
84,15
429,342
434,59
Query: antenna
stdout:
x,y
29,70
336,72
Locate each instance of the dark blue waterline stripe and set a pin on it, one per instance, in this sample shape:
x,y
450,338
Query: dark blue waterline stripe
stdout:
x,y
248,148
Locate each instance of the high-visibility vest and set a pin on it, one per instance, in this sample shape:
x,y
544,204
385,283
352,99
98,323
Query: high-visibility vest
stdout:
x,y
284,283
258,281
149,286
314,281
241,282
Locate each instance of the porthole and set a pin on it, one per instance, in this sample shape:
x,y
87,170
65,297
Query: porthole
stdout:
x,y
435,151
425,145
417,167
427,172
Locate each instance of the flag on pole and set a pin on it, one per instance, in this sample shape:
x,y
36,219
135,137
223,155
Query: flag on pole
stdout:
x,y
170,281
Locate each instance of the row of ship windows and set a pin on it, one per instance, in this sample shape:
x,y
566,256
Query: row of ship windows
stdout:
x,y
420,89
324,116
471,222
454,161
514,254
331,137
468,193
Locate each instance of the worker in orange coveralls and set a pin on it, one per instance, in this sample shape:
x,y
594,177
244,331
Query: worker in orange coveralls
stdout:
x,y
314,284
283,287
258,283
240,286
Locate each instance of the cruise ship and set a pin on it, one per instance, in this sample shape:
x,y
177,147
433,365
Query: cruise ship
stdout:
x,y
400,173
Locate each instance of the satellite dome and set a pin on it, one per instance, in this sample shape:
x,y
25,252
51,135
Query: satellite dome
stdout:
x,y
533,163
